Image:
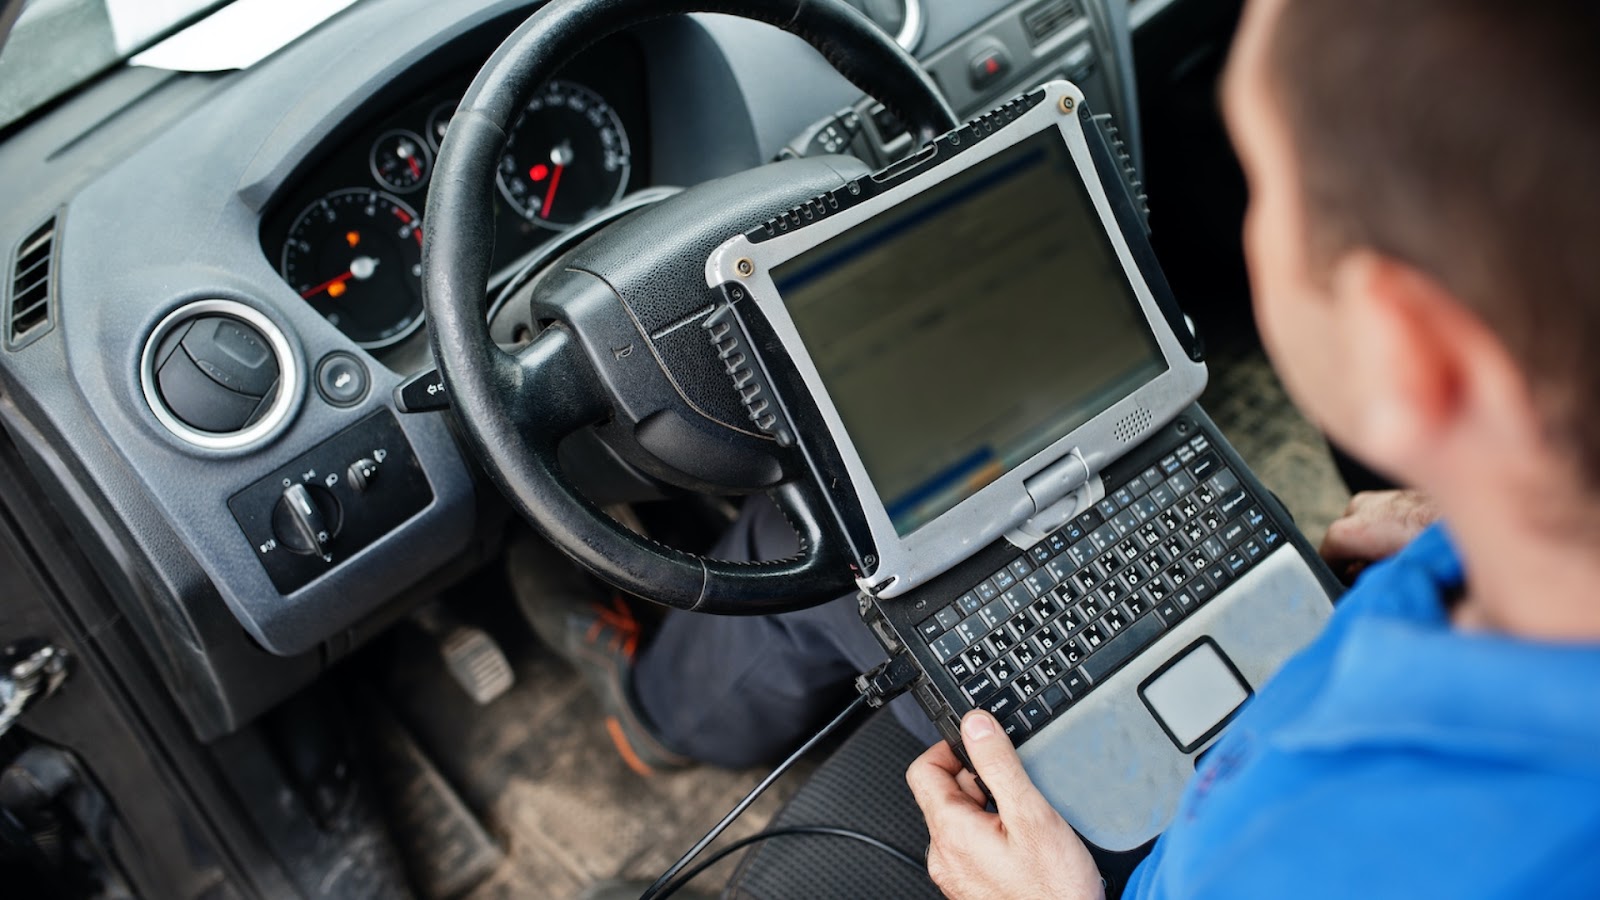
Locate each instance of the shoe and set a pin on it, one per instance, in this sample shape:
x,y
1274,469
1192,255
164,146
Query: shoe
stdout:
x,y
595,634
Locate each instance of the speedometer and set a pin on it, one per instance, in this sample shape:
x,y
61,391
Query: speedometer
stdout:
x,y
356,257
567,157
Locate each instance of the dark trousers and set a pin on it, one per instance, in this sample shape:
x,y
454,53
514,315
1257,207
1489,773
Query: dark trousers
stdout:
x,y
739,691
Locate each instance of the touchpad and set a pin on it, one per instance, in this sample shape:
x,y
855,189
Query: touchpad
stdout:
x,y
1194,694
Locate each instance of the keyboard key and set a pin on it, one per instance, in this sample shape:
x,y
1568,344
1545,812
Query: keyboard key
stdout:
x,y
1144,508
948,617
1059,568
1090,520
1185,454
1086,580
947,646
1090,608
1176,576
980,690
930,628
1188,599
1016,598
977,657
1026,685
1205,466
1025,654
1122,497
959,669
1075,683
1234,503
1041,552
1069,620
1152,477
986,592
1035,713
1125,521
1189,507
1170,612
1138,488
1171,521
1196,530
1072,654
1269,536
1055,697
972,629
1214,549
1106,508
1081,553
1224,481
1039,582
1014,727
1170,465
1254,517
1136,606
1002,639
1235,562
1213,519
993,614
1020,567
1253,550
1149,533
1201,588
1128,550
1116,651
1003,703
1182,483
1002,671
1050,636
1220,576
1058,541
1163,496
1002,580
1050,669
1103,538
1094,637
1113,622
968,603
1108,565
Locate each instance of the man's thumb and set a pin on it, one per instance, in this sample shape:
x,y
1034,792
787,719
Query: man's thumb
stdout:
x,y
994,758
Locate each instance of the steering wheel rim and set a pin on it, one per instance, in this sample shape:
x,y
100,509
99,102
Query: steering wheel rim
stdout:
x,y
516,409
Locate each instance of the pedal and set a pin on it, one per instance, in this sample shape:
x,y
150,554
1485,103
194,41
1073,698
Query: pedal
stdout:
x,y
476,662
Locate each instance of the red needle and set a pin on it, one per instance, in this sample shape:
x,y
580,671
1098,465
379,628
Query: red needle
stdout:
x,y
550,195
416,167
337,279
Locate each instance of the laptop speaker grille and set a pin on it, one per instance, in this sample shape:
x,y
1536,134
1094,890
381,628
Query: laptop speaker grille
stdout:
x,y
1132,425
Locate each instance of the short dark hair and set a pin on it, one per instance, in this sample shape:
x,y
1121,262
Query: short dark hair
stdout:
x,y
1463,138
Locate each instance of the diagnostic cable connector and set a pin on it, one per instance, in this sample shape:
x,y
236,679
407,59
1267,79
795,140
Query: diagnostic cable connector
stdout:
x,y
893,677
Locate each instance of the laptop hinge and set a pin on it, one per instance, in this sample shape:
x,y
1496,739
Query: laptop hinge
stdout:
x,y
1058,480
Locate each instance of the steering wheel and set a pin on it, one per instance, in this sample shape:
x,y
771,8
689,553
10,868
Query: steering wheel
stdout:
x,y
622,349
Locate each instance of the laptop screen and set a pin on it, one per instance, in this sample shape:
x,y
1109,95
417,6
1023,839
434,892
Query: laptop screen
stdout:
x,y
967,329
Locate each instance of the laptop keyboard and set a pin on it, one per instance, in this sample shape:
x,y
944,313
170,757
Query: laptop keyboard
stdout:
x,y
1041,632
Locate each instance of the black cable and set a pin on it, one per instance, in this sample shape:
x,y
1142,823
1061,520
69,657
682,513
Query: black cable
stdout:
x,y
791,831
654,891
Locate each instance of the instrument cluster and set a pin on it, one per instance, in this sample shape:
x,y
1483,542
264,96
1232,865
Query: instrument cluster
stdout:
x,y
347,237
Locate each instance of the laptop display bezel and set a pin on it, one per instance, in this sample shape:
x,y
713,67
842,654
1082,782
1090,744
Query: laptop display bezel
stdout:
x,y
897,563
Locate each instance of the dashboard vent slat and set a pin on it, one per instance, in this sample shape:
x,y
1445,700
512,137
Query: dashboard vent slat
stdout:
x,y
28,306
1047,19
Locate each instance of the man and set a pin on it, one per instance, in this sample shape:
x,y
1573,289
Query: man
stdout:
x,y
1425,201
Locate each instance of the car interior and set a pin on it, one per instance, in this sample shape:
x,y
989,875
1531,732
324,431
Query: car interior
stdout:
x,y
289,371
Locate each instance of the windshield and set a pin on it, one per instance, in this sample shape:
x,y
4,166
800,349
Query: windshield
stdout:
x,y
58,44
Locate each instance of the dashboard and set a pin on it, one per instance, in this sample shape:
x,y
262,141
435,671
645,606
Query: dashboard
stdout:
x,y
347,235
233,290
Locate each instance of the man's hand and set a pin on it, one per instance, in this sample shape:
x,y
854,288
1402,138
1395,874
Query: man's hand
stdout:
x,y
1024,851
1376,525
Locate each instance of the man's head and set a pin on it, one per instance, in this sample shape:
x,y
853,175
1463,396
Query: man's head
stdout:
x,y
1424,230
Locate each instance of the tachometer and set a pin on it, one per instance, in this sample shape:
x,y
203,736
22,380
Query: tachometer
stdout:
x,y
356,257
400,160
567,157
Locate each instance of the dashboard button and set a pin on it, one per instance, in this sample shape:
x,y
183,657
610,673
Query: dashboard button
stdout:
x,y
342,379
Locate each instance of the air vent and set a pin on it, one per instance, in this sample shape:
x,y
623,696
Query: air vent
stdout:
x,y
1048,19
28,314
1132,425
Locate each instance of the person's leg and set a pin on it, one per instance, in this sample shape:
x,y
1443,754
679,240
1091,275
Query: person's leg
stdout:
x,y
738,691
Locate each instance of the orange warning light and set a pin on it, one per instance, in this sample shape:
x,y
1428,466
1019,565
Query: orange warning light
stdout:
x,y
352,238
337,289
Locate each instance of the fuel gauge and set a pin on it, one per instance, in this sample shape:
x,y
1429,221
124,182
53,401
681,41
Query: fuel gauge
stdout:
x,y
401,161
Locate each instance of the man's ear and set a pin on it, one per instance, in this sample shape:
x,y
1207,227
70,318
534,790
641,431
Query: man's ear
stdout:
x,y
1433,377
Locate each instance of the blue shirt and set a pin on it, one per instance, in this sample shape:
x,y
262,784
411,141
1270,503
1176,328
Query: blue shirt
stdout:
x,y
1399,757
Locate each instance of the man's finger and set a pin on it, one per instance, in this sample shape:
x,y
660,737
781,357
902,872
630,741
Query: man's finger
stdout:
x,y
997,762
933,782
